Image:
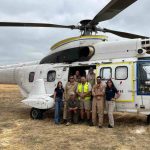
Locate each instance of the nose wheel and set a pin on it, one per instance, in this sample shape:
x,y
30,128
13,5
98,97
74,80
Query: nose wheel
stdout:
x,y
36,113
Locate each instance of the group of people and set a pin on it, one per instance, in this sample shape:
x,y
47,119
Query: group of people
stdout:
x,y
83,98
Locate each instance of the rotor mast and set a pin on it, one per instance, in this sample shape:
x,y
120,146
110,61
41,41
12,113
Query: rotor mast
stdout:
x,y
87,29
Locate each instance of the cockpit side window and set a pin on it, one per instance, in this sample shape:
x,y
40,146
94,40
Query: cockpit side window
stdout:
x,y
143,78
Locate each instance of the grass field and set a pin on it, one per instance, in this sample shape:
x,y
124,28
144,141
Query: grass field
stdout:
x,y
19,132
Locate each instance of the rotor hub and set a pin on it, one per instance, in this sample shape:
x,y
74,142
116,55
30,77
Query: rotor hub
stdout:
x,y
85,22
86,27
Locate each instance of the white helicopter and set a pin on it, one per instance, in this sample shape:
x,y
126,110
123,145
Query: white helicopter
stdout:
x,y
127,63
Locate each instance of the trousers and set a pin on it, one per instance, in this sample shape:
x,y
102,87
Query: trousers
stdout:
x,y
98,110
73,116
58,109
65,110
110,105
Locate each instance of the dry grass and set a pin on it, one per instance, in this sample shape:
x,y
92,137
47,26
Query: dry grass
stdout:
x,y
18,131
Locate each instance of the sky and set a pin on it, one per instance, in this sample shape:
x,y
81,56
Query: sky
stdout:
x,y
19,45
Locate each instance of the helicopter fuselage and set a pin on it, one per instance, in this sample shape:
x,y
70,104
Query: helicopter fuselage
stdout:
x,y
126,62
120,60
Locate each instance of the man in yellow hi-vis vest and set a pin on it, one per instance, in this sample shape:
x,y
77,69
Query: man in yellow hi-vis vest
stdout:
x,y
84,95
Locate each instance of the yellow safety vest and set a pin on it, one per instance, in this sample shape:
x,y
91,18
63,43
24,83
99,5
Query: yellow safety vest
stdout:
x,y
85,90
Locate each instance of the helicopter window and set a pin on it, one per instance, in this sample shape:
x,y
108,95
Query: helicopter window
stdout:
x,y
143,78
31,76
51,75
121,73
106,73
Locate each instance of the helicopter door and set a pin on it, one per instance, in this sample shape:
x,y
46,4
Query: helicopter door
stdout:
x,y
53,76
62,75
122,76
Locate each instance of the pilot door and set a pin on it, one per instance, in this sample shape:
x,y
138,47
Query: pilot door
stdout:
x,y
122,74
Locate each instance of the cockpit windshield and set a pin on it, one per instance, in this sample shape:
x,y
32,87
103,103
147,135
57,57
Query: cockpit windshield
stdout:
x,y
143,77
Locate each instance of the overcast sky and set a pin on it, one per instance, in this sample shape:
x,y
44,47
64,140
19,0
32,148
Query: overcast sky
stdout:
x,y
29,44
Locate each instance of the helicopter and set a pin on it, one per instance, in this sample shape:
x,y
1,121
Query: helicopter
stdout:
x,y
127,63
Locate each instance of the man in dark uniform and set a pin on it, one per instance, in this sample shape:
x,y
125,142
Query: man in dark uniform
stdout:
x,y
73,109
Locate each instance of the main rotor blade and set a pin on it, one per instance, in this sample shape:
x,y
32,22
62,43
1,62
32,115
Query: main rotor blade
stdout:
x,y
113,8
23,24
124,34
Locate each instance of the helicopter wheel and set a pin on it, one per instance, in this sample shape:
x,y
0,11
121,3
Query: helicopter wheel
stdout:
x,y
36,113
148,119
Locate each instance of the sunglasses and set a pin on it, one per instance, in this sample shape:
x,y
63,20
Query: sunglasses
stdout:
x,y
71,78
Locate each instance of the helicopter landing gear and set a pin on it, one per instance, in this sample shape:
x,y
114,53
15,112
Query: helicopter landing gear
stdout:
x,y
36,113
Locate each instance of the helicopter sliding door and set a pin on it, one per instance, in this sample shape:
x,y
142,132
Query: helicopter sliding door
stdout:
x,y
122,74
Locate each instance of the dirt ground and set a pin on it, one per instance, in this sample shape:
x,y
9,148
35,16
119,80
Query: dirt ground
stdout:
x,y
19,132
